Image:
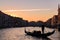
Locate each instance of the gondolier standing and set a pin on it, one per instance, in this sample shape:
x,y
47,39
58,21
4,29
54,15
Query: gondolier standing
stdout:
x,y
43,29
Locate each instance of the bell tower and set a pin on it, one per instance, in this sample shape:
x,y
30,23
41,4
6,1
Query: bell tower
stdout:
x,y
58,9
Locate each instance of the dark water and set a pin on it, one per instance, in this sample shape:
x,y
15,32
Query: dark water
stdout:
x,y
19,34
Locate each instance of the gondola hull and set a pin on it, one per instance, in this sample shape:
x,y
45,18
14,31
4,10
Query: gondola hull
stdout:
x,y
45,35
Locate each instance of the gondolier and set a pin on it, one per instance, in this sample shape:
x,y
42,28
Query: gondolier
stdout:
x,y
43,29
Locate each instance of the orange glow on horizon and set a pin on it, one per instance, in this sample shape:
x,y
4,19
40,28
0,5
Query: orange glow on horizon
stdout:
x,y
32,16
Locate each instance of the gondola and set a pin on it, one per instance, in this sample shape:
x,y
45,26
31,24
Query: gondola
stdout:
x,y
38,34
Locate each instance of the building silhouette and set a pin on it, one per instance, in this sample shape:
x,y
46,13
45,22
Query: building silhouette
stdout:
x,y
55,22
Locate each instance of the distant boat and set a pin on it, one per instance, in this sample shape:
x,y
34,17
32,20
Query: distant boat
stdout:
x,y
38,34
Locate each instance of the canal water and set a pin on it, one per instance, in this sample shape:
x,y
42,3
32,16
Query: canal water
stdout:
x,y
19,34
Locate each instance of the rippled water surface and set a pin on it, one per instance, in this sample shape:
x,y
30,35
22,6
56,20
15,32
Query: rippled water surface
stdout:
x,y
19,34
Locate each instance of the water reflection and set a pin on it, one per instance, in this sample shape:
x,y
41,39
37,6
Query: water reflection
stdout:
x,y
46,39
35,38
19,34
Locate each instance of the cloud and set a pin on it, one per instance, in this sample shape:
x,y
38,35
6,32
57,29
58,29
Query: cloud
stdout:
x,y
26,10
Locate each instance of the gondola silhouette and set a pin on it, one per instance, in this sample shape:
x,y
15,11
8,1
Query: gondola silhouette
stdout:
x,y
38,34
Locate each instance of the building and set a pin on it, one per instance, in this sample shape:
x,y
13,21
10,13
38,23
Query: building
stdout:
x,y
58,14
55,22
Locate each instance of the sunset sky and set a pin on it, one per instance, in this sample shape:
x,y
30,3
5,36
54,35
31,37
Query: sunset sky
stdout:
x,y
32,10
